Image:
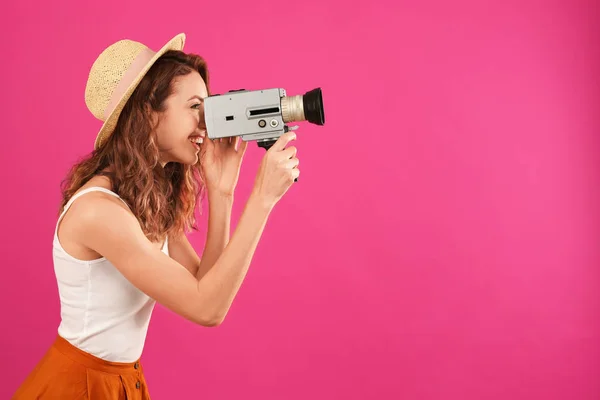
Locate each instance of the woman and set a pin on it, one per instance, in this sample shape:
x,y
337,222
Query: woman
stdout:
x,y
119,244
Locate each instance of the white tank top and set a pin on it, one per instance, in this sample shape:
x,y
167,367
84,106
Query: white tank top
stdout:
x,y
102,313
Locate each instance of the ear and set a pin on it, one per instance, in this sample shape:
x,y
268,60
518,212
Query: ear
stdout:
x,y
154,118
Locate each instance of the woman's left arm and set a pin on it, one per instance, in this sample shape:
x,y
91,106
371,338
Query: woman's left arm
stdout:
x,y
219,227
221,161
217,237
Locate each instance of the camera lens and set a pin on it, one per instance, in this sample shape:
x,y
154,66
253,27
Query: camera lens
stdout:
x,y
313,106
307,107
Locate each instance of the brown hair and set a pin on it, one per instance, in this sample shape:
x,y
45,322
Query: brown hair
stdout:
x,y
162,199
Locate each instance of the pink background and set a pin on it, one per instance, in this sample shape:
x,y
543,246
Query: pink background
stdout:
x,y
442,242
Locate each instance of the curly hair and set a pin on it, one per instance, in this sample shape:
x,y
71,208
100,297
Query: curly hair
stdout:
x,y
162,199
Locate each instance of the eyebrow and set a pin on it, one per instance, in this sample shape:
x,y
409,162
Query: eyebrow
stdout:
x,y
196,97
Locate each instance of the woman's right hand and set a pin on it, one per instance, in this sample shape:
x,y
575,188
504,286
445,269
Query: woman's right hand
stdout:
x,y
277,170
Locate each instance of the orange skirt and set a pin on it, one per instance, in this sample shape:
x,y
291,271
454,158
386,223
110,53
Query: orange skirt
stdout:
x,y
66,372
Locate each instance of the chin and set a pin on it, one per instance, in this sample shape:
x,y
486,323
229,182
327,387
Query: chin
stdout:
x,y
189,160
186,158
193,159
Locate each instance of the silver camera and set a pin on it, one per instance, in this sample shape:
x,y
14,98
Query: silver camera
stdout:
x,y
260,115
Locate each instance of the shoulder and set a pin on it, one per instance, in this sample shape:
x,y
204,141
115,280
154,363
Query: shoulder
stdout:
x,y
95,210
102,223
97,203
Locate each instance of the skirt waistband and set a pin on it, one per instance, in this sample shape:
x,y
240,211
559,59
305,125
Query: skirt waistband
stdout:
x,y
91,361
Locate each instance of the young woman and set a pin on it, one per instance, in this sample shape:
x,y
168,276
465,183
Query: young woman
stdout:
x,y
120,243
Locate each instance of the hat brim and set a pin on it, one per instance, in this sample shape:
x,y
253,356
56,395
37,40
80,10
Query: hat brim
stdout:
x,y
176,43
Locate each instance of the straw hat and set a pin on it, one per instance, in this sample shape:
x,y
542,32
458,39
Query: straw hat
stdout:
x,y
114,76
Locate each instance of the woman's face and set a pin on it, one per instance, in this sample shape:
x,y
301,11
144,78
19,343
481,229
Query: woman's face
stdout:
x,y
182,123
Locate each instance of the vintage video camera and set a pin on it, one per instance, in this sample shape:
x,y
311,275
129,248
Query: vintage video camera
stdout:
x,y
260,115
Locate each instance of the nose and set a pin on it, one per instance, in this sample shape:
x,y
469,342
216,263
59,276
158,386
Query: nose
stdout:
x,y
201,120
202,123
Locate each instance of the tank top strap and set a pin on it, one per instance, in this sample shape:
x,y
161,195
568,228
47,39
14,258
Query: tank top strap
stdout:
x,y
81,193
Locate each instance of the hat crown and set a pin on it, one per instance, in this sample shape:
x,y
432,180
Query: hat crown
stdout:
x,y
107,72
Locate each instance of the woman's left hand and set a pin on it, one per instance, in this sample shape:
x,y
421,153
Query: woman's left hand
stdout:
x,y
220,163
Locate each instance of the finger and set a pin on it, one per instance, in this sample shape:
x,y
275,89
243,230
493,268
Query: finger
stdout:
x,y
283,141
295,173
289,152
242,147
292,163
205,147
206,143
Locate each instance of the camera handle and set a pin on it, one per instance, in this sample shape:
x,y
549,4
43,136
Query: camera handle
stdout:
x,y
267,144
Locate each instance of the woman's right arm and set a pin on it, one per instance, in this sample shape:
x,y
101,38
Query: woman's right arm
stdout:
x,y
109,229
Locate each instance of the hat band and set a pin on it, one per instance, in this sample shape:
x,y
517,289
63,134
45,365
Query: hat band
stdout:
x,y
138,64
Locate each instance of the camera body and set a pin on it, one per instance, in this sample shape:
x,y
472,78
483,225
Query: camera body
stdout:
x,y
259,115
253,115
